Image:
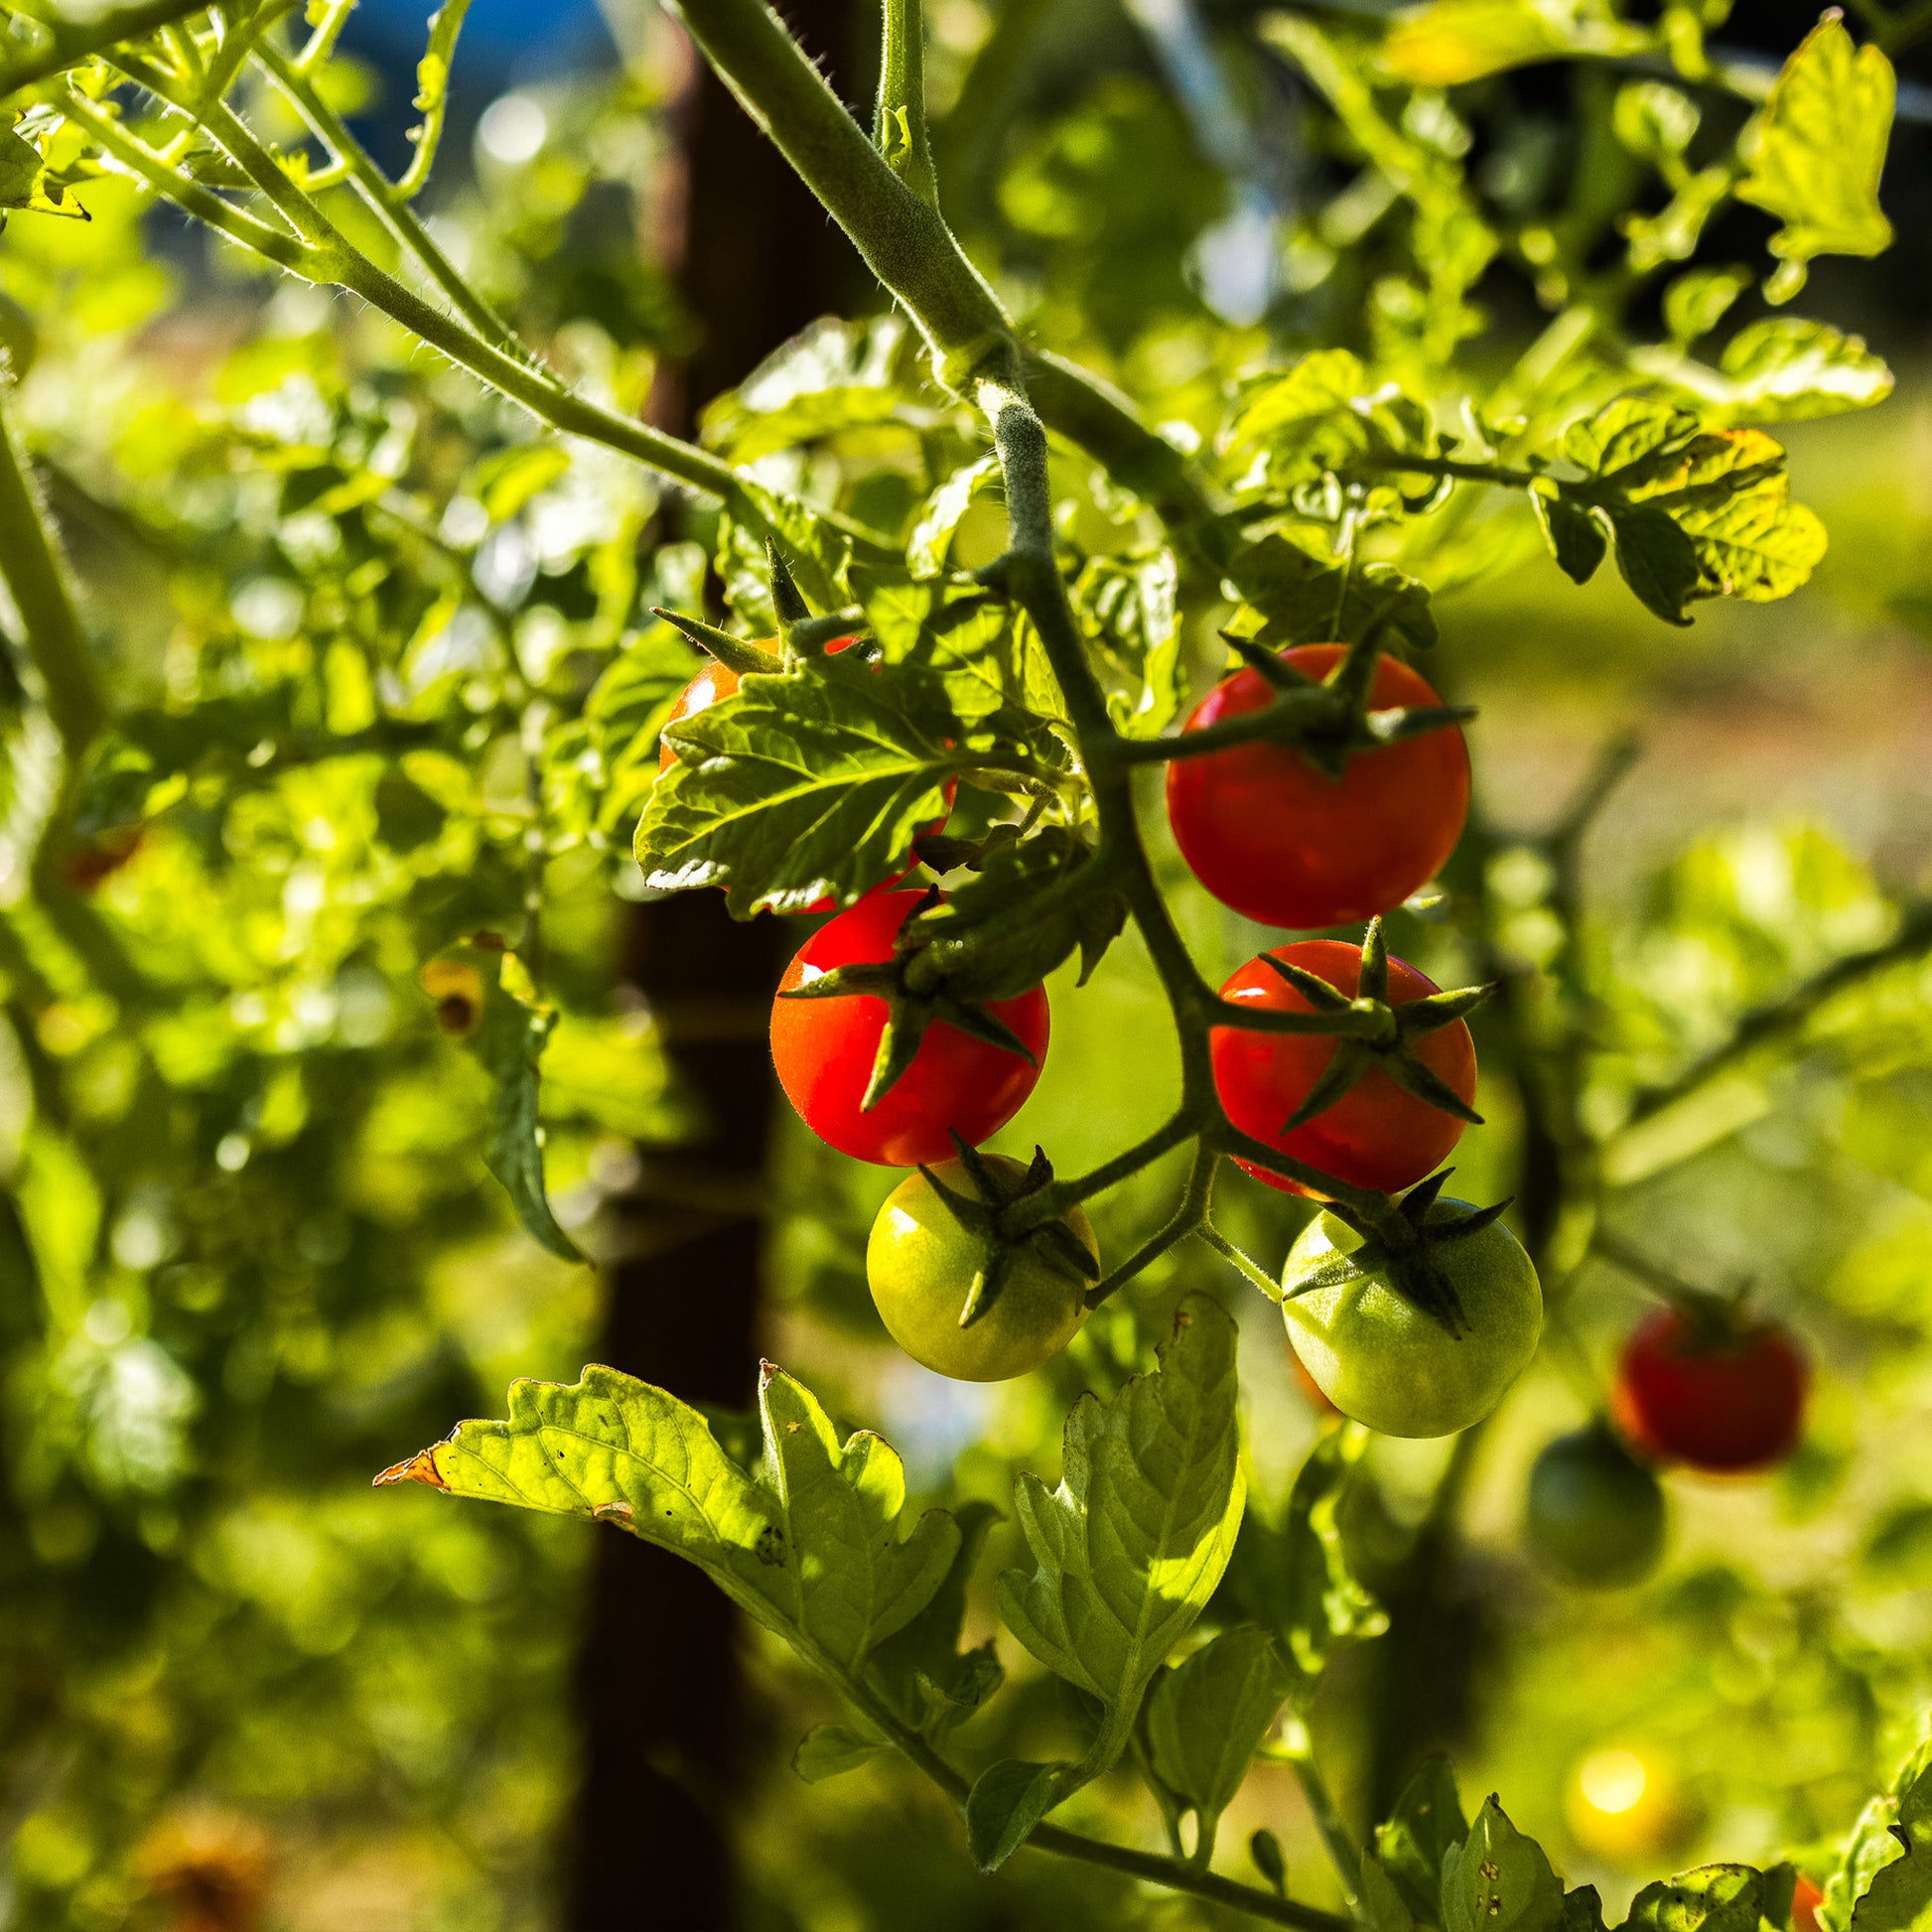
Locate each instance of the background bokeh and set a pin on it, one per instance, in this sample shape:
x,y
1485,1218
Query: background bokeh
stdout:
x,y
249,1254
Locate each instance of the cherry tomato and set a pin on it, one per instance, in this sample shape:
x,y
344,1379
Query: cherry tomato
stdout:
x,y
1595,1513
1376,1135
1380,1359
921,1264
1270,836
824,1050
1806,1897
1726,1405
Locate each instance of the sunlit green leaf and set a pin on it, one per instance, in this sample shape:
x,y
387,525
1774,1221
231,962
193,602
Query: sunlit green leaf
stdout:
x,y
1129,1547
813,1542
1818,147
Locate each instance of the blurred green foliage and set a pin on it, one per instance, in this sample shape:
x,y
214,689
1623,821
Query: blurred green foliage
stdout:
x,y
367,634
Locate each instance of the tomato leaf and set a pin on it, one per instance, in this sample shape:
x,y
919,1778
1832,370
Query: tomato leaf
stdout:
x,y
833,375
1303,600
1007,1799
1898,1896
1448,42
1498,1880
1130,1547
812,1542
946,509
1658,562
1712,1899
929,1682
1419,1835
1296,1579
831,1750
1130,609
1207,1718
1696,512
803,786
1382,1905
1818,147
1574,534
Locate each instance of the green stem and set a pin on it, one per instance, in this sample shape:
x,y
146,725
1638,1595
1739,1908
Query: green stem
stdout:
x,y
72,41
1243,1263
386,200
1285,709
902,238
36,578
1174,1873
899,129
1031,1211
317,251
1321,1805
1189,1217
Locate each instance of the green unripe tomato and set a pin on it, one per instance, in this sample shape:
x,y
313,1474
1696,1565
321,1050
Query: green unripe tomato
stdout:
x,y
1595,1514
1380,1359
922,1265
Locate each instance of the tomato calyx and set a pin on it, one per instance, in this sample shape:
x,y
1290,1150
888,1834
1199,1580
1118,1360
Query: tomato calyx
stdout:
x,y
1404,1245
1331,716
1389,1043
914,998
1053,1242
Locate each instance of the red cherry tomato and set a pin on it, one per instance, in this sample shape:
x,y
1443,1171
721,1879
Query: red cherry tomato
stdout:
x,y
824,1051
717,682
1806,1897
1376,1135
1269,834
1726,1406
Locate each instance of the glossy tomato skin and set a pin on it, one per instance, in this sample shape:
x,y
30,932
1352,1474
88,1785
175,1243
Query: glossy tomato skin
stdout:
x,y
714,683
824,1051
1726,1407
1384,1362
921,1264
1375,1135
1269,834
1594,1515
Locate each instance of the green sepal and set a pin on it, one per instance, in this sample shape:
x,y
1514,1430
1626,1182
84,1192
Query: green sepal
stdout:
x,y
1391,1052
786,598
738,654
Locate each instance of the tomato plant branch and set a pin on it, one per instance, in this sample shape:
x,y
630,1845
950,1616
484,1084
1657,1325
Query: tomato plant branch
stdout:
x,y
1156,1869
36,578
906,244
1783,1016
1242,1262
314,249
73,41
387,201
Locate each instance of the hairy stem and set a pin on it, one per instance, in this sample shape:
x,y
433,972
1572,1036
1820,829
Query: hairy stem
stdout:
x,y
36,578
899,129
385,199
72,41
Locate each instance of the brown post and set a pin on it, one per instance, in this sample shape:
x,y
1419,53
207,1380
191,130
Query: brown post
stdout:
x,y
660,1691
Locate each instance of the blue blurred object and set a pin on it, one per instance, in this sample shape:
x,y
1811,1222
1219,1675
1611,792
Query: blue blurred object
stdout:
x,y
505,43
